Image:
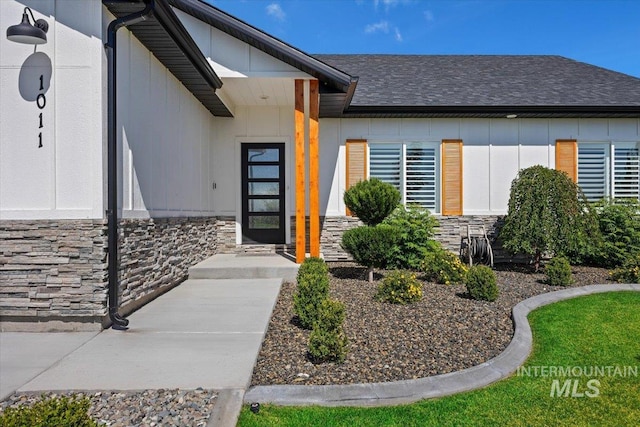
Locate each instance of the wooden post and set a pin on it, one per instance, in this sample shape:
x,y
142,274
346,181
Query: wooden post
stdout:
x,y
314,170
300,175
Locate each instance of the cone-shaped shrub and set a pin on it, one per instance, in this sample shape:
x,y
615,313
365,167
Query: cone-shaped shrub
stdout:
x,y
328,342
313,289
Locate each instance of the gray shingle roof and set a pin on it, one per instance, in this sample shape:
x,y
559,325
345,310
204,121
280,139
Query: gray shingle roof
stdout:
x,y
391,81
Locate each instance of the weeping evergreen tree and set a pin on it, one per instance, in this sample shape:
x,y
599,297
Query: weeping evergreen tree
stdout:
x,y
548,214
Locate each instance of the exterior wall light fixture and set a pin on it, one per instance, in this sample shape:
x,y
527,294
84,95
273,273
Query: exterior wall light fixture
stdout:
x,y
27,33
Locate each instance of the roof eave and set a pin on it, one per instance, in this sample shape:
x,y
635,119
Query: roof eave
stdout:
x,y
266,43
171,23
190,66
493,111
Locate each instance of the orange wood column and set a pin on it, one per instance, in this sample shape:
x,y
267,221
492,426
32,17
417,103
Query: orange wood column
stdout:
x,y
300,178
314,170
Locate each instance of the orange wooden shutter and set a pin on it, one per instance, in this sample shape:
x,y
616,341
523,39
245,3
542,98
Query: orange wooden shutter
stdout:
x,y
567,157
451,177
356,155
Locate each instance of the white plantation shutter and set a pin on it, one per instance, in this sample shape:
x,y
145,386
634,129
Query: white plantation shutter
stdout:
x,y
592,170
421,172
626,176
385,163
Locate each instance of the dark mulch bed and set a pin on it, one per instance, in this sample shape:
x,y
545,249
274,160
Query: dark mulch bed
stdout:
x,y
444,332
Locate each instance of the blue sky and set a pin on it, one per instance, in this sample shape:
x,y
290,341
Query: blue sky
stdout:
x,y
601,32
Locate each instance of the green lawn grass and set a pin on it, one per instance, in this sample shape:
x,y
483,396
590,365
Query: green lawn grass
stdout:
x,y
596,330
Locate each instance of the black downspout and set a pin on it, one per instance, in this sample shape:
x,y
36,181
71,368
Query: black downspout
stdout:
x,y
118,322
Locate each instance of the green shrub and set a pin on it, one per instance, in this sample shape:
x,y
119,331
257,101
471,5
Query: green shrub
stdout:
x,y
328,342
415,227
372,200
58,411
619,224
481,283
312,290
443,266
399,287
312,265
369,246
548,214
558,272
629,272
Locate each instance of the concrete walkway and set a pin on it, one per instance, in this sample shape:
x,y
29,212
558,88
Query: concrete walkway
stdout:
x,y
203,333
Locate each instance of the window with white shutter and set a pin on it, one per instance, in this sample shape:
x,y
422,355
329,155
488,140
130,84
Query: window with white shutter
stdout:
x,y
592,170
385,163
626,167
609,170
412,168
421,173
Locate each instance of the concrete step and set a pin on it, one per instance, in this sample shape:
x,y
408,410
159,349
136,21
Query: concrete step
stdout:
x,y
245,266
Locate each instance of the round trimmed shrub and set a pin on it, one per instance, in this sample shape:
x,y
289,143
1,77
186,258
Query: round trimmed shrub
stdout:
x,y
399,287
481,283
369,246
372,200
444,267
312,290
558,272
328,342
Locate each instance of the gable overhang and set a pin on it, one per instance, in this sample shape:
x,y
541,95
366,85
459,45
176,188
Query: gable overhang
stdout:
x,y
521,112
164,35
336,87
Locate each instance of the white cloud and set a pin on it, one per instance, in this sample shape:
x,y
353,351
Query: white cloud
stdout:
x,y
428,15
388,4
382,26
398,35
276,12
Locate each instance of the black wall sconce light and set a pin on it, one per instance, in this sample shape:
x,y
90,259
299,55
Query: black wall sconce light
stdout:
x,y
27,33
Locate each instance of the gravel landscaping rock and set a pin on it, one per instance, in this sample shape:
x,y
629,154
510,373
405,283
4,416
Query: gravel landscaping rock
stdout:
x,y
444,332
138,408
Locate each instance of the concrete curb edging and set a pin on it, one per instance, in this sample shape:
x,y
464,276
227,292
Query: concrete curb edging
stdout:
x,y
409,391
227,408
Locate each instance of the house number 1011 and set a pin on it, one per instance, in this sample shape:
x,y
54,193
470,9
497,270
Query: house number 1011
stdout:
x,y
41,102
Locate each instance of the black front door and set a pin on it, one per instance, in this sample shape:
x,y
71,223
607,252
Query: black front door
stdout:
x,y
263,209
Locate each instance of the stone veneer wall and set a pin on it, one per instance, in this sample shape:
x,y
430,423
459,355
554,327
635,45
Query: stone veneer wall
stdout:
x,y
53,270
451,227
448,233
156,253
226,234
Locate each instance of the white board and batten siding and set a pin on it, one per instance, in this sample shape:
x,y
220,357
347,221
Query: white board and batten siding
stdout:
x,y
494,150
165,139
51,131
